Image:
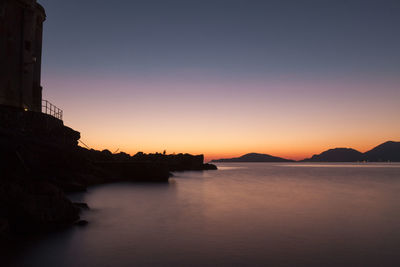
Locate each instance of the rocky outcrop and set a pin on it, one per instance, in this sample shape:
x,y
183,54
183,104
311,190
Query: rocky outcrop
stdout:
x,y
209,166
29,199
29,205
135,171
176,162
40,161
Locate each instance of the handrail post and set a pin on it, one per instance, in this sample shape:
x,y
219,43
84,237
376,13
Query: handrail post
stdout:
x,y
52,110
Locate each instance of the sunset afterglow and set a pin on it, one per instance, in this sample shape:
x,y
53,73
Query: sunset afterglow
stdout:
x,y
248,83
215,117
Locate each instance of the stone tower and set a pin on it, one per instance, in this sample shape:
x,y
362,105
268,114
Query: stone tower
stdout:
x,y
21,28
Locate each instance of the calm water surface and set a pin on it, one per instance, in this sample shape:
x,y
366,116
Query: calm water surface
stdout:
x,y
245,214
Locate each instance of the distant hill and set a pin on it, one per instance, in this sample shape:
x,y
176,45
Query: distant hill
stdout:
x,y
388,151
338,155
254,157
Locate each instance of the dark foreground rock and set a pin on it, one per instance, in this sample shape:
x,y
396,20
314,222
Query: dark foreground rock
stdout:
x,y
82,223
82,206
208,166
30,206
40,160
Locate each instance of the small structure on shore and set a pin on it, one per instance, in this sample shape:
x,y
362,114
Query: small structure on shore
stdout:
x,y
21,28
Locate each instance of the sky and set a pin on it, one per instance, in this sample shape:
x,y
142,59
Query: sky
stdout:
x,y
225,77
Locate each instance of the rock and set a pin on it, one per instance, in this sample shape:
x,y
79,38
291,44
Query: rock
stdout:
x,y
122,156
4,227
82,206
82,223
41,213
137,171
30,205
71,186
208,166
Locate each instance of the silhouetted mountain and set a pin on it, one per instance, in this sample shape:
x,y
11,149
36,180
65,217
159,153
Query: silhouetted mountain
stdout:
x,y
389,151
338,155
254,157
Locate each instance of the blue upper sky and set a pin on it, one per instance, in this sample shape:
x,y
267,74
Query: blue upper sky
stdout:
x,y
232,37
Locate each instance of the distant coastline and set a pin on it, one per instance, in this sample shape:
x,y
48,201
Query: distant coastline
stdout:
x,y
254,157
388,151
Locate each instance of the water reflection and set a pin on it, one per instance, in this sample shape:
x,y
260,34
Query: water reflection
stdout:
x,y
344,165
245,215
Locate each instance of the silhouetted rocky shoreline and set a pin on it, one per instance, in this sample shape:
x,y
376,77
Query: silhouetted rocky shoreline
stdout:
x,y
40,161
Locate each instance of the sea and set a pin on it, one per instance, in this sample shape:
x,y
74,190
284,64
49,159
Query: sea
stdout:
x,y
244,214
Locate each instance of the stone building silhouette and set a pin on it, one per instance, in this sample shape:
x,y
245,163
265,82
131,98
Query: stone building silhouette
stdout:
x,y
21,27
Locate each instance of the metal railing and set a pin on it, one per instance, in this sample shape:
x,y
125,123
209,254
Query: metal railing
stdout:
x,y
51,110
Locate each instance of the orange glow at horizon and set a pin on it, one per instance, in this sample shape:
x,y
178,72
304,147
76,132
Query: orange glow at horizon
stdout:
x,y
289,119
296,154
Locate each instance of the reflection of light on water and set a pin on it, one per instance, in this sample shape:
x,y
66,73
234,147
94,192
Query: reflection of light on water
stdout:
x,y
349,165
230,168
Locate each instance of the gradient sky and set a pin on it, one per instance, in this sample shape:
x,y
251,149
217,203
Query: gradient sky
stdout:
x,y
224,78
